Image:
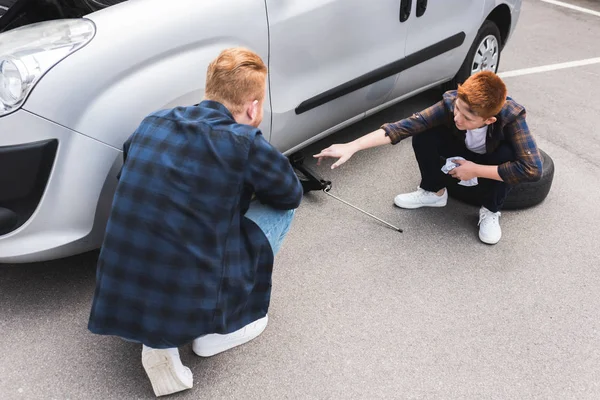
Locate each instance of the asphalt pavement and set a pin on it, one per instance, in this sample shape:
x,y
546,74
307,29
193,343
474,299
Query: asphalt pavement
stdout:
x,y
360,311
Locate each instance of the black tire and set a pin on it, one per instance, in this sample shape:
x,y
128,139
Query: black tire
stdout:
x,y
523,195
488,28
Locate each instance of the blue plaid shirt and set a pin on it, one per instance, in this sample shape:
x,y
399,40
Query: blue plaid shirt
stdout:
x,y
179,257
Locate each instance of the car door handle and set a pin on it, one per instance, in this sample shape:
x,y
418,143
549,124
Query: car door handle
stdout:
x,y
421,7
405,6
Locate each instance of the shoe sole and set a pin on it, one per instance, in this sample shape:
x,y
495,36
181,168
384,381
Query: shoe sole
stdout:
x,y
162,373
488,241
211,350
414,206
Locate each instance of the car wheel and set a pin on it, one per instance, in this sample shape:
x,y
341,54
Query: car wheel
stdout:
x,y
523,195
484,55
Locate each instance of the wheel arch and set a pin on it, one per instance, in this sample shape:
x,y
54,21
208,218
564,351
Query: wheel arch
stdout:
x,y
501,16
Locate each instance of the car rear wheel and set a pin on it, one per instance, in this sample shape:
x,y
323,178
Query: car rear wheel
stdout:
x,y
484,54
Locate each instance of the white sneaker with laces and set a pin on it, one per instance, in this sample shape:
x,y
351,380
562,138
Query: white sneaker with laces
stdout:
x,y
166,372
215,343
421,198
489,226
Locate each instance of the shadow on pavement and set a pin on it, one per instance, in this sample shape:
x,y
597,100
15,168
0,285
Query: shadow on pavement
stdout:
x,y
29,287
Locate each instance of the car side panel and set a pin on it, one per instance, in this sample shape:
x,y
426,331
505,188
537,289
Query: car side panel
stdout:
x,y
441,21
323,54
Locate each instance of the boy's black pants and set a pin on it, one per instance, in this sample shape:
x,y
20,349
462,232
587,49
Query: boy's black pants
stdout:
x,y
432,145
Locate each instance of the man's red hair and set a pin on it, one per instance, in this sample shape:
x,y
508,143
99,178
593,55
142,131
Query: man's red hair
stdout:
x,y
235,77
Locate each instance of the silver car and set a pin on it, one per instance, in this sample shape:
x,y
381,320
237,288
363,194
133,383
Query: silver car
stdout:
x,y
78,76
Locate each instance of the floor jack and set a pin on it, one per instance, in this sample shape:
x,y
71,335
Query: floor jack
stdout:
x,y
311,181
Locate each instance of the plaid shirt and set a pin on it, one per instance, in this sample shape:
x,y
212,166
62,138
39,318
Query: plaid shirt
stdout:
x,y
510,127
179,257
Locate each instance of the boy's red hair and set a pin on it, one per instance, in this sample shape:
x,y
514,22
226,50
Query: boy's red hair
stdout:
x,y
484,93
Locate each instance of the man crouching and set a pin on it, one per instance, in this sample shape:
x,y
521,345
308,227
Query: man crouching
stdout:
x,y
202,205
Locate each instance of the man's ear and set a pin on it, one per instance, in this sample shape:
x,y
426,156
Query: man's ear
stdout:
x,y
491,120
253,110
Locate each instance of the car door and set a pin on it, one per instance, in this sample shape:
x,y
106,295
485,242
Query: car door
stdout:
x,y
439,35
330,61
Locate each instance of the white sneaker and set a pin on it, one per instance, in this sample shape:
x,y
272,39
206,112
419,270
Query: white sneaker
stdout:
x,y
421,198
489,226
165,370
209,345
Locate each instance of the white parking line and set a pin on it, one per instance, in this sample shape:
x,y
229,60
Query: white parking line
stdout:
x,y
572,7
551,67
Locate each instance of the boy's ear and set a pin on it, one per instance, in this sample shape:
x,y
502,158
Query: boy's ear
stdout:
x,y
491,120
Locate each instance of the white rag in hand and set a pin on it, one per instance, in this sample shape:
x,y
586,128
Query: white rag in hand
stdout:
x,y
450,165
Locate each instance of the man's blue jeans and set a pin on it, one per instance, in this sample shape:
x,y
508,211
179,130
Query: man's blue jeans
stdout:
x,y
274,223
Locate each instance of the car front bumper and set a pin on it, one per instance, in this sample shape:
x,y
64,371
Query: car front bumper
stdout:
x,y
56,188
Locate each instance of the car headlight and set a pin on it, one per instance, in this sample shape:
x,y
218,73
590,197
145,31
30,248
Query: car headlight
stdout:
x,y
27,53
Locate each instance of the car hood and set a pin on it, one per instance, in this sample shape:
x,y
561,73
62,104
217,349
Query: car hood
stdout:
x,y
15,13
